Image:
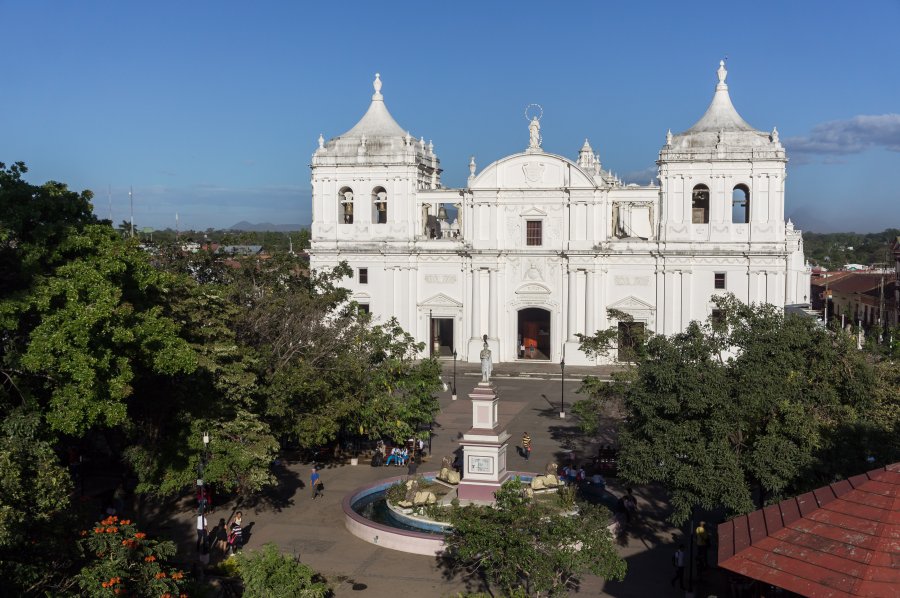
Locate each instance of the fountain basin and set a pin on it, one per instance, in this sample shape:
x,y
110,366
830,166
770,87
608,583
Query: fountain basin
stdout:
x,y
395,537
368,517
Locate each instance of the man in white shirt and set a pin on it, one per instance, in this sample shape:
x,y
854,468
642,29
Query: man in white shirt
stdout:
x,y
201,530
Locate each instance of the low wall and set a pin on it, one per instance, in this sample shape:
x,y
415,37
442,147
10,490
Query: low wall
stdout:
x,y
383,535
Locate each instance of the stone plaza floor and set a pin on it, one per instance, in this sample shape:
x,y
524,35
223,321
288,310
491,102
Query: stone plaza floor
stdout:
x,y
529,401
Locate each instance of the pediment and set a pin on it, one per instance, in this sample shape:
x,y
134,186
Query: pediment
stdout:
x,y
533,288
363,295
440,300
630,304
533,213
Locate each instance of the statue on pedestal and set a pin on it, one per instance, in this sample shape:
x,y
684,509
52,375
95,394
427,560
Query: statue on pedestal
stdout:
x,y
486,366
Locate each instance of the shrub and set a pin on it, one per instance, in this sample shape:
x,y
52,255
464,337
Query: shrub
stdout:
x,y
124,561
268,573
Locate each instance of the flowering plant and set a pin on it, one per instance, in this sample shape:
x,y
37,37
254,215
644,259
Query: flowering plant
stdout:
x,y
125,562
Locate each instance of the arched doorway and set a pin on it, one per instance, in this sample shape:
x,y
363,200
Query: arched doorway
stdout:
x,y
533,334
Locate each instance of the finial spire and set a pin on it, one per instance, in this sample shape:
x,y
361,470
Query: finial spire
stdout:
x,y
321,141
377,85
472,166
722,74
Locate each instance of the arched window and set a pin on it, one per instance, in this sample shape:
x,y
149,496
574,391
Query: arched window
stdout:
x,y
345,202
380,204
700,205
740,204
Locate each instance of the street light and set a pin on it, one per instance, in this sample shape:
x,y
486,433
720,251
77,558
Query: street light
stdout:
x,y
203,495
562,389
453,390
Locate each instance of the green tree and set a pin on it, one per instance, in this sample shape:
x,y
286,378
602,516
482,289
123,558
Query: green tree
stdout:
x,y
733,413
266,573
526,546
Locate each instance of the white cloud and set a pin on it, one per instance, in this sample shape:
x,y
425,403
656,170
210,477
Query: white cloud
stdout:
x,y
850,136
641,177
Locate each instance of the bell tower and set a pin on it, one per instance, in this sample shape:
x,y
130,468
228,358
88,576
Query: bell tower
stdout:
x,y
722,180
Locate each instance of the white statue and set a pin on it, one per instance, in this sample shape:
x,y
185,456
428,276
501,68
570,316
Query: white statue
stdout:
x,y
534,133
486,367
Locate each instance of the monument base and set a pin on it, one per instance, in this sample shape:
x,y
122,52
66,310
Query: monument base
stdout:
x,y
479,491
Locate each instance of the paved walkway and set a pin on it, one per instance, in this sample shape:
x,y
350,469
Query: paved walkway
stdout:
x,y
314,530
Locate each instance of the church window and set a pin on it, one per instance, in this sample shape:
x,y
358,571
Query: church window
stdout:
x,y
700,205
380,203
363,308
345,199
719,280
363,276
533,230
740,204
717,318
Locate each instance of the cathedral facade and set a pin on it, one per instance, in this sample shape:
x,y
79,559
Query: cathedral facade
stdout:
x,y
537,247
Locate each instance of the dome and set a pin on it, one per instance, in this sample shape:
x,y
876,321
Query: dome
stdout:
x,y
376,133
720,124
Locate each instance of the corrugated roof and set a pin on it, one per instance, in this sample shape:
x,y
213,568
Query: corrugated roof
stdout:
x,y
840,540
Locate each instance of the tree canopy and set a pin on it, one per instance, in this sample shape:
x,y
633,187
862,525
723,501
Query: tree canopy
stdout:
x,y
525,546
746,408
102,342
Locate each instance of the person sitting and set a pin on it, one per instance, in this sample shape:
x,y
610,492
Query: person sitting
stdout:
x,y
581,476
404,456
598,480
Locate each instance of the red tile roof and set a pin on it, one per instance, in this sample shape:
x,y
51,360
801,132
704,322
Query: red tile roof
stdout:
x,y
840,540
859,282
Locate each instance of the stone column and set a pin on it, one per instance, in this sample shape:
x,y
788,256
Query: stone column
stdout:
x,y
572,315
476,303
493,303
589,307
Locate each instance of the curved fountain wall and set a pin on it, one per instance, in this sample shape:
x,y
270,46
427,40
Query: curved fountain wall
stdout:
x,y
383,535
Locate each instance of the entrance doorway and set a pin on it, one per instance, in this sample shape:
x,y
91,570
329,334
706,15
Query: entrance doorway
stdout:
x,y
534,334
631,336
441,341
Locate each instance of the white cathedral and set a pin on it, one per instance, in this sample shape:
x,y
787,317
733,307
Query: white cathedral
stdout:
x,y
537,247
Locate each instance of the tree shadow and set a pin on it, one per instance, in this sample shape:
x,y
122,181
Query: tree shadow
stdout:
x,y
279,496
473,581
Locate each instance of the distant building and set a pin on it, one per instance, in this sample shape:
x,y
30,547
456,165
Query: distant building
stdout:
x,y
869,298
537,247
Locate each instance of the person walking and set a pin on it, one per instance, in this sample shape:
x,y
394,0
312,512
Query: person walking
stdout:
x,y
318,487
526,445
702,546
202,531
678,563
236,533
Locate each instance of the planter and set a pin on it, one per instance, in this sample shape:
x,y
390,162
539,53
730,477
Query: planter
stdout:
x,y
354,460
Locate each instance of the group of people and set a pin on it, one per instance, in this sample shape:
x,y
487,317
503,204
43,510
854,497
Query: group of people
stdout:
x,y
702,541
398,456
226,537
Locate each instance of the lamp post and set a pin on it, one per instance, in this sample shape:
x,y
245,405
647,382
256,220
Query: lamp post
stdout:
x,y
203,495
562,389
453,390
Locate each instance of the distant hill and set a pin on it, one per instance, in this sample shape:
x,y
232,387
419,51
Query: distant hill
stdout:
x,y
243,225
834,250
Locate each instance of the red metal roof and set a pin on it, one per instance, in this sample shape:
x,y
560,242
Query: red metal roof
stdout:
x,y
840,540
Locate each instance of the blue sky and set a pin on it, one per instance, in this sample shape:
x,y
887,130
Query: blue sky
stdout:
x,y
212,109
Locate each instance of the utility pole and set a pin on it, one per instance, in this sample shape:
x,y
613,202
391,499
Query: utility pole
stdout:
x,y
109,200
131,202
